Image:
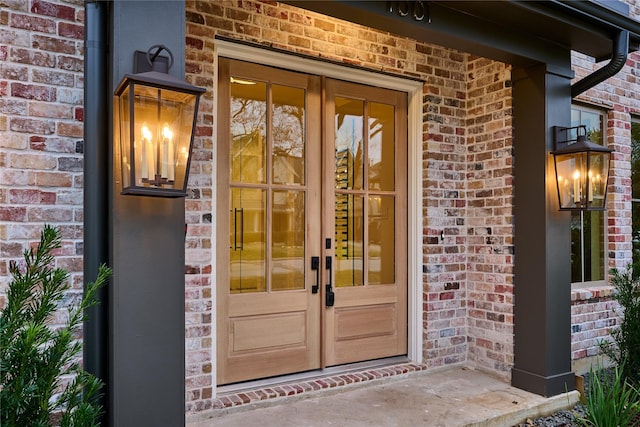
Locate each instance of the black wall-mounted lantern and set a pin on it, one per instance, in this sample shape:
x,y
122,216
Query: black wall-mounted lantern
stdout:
x,y
582,170
157,122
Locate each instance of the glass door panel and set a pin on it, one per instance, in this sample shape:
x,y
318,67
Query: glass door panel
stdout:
x,y
288,237
288,112
381,147
381,248
349,134
248,130
247,241
349,237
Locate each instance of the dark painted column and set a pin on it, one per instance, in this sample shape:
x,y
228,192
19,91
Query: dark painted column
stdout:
x,y
542,363
147,251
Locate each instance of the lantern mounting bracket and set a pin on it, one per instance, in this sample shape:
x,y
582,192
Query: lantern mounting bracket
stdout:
x,y
147,61
562,138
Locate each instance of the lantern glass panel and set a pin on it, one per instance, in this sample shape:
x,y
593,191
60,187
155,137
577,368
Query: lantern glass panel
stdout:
x,y
570,171
163,121
125,137
161,133
598,174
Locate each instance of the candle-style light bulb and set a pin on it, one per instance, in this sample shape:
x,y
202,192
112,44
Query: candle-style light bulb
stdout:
x,y
168,163
147,152
576,186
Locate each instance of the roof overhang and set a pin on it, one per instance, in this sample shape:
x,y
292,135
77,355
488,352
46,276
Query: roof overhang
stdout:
x,y
512,31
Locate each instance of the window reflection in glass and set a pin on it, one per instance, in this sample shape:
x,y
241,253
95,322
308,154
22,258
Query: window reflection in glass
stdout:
x,y
588,228
635,190
248,130
381,252
349,230
349,128
381,147
288,135
287,247
247,240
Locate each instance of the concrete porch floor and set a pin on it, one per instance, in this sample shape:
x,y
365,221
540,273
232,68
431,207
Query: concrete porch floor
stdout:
x,y
452,397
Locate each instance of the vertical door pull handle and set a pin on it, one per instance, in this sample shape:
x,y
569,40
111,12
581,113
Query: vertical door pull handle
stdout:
x,y
315,265
238,245
330,296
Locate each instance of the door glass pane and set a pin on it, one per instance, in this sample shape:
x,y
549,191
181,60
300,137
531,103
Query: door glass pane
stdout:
x,y
288,135
381,147
381,244
349,119
247,240
349,240
288,233
248,130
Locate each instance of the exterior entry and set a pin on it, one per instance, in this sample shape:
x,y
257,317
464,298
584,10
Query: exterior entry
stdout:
x,y
311,192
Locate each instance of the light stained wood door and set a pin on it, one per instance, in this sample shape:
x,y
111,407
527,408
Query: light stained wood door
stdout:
x,y
268,204
311,192
365,181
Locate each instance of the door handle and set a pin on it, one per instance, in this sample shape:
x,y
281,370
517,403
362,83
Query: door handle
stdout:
x,y
330,296
238,245
315,265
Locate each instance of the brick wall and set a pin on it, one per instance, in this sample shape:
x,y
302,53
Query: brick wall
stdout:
x,y
41,131
593,314
593,309
467,180
466,183
489,221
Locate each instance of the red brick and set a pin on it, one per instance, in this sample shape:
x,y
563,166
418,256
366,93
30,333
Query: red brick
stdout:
x,y
43,127
70,63
31,57
52,44
57,145
31,197
55,111
55,10
10,213
70,129
33,23
71,30
14,72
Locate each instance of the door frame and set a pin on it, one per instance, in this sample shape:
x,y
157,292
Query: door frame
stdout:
x,y
413,88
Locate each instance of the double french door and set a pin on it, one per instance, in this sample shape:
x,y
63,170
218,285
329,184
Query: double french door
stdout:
x,y
311,222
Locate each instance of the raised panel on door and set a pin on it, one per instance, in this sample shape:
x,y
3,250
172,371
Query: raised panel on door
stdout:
x,y
268,204
365,218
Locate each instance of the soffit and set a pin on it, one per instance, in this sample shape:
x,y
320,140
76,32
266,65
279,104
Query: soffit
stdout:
x,y
517,32
583,26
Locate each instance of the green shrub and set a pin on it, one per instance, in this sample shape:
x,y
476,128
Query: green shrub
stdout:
x,y
624,350
611,401
35,359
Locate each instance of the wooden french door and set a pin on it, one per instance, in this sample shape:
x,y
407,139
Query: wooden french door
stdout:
x,y
365,181
311,181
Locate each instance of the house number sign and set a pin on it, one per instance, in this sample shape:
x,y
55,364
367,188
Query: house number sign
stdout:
x,y
419,10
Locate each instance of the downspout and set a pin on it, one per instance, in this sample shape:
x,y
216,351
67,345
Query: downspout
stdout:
x,y
618,59
96,191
